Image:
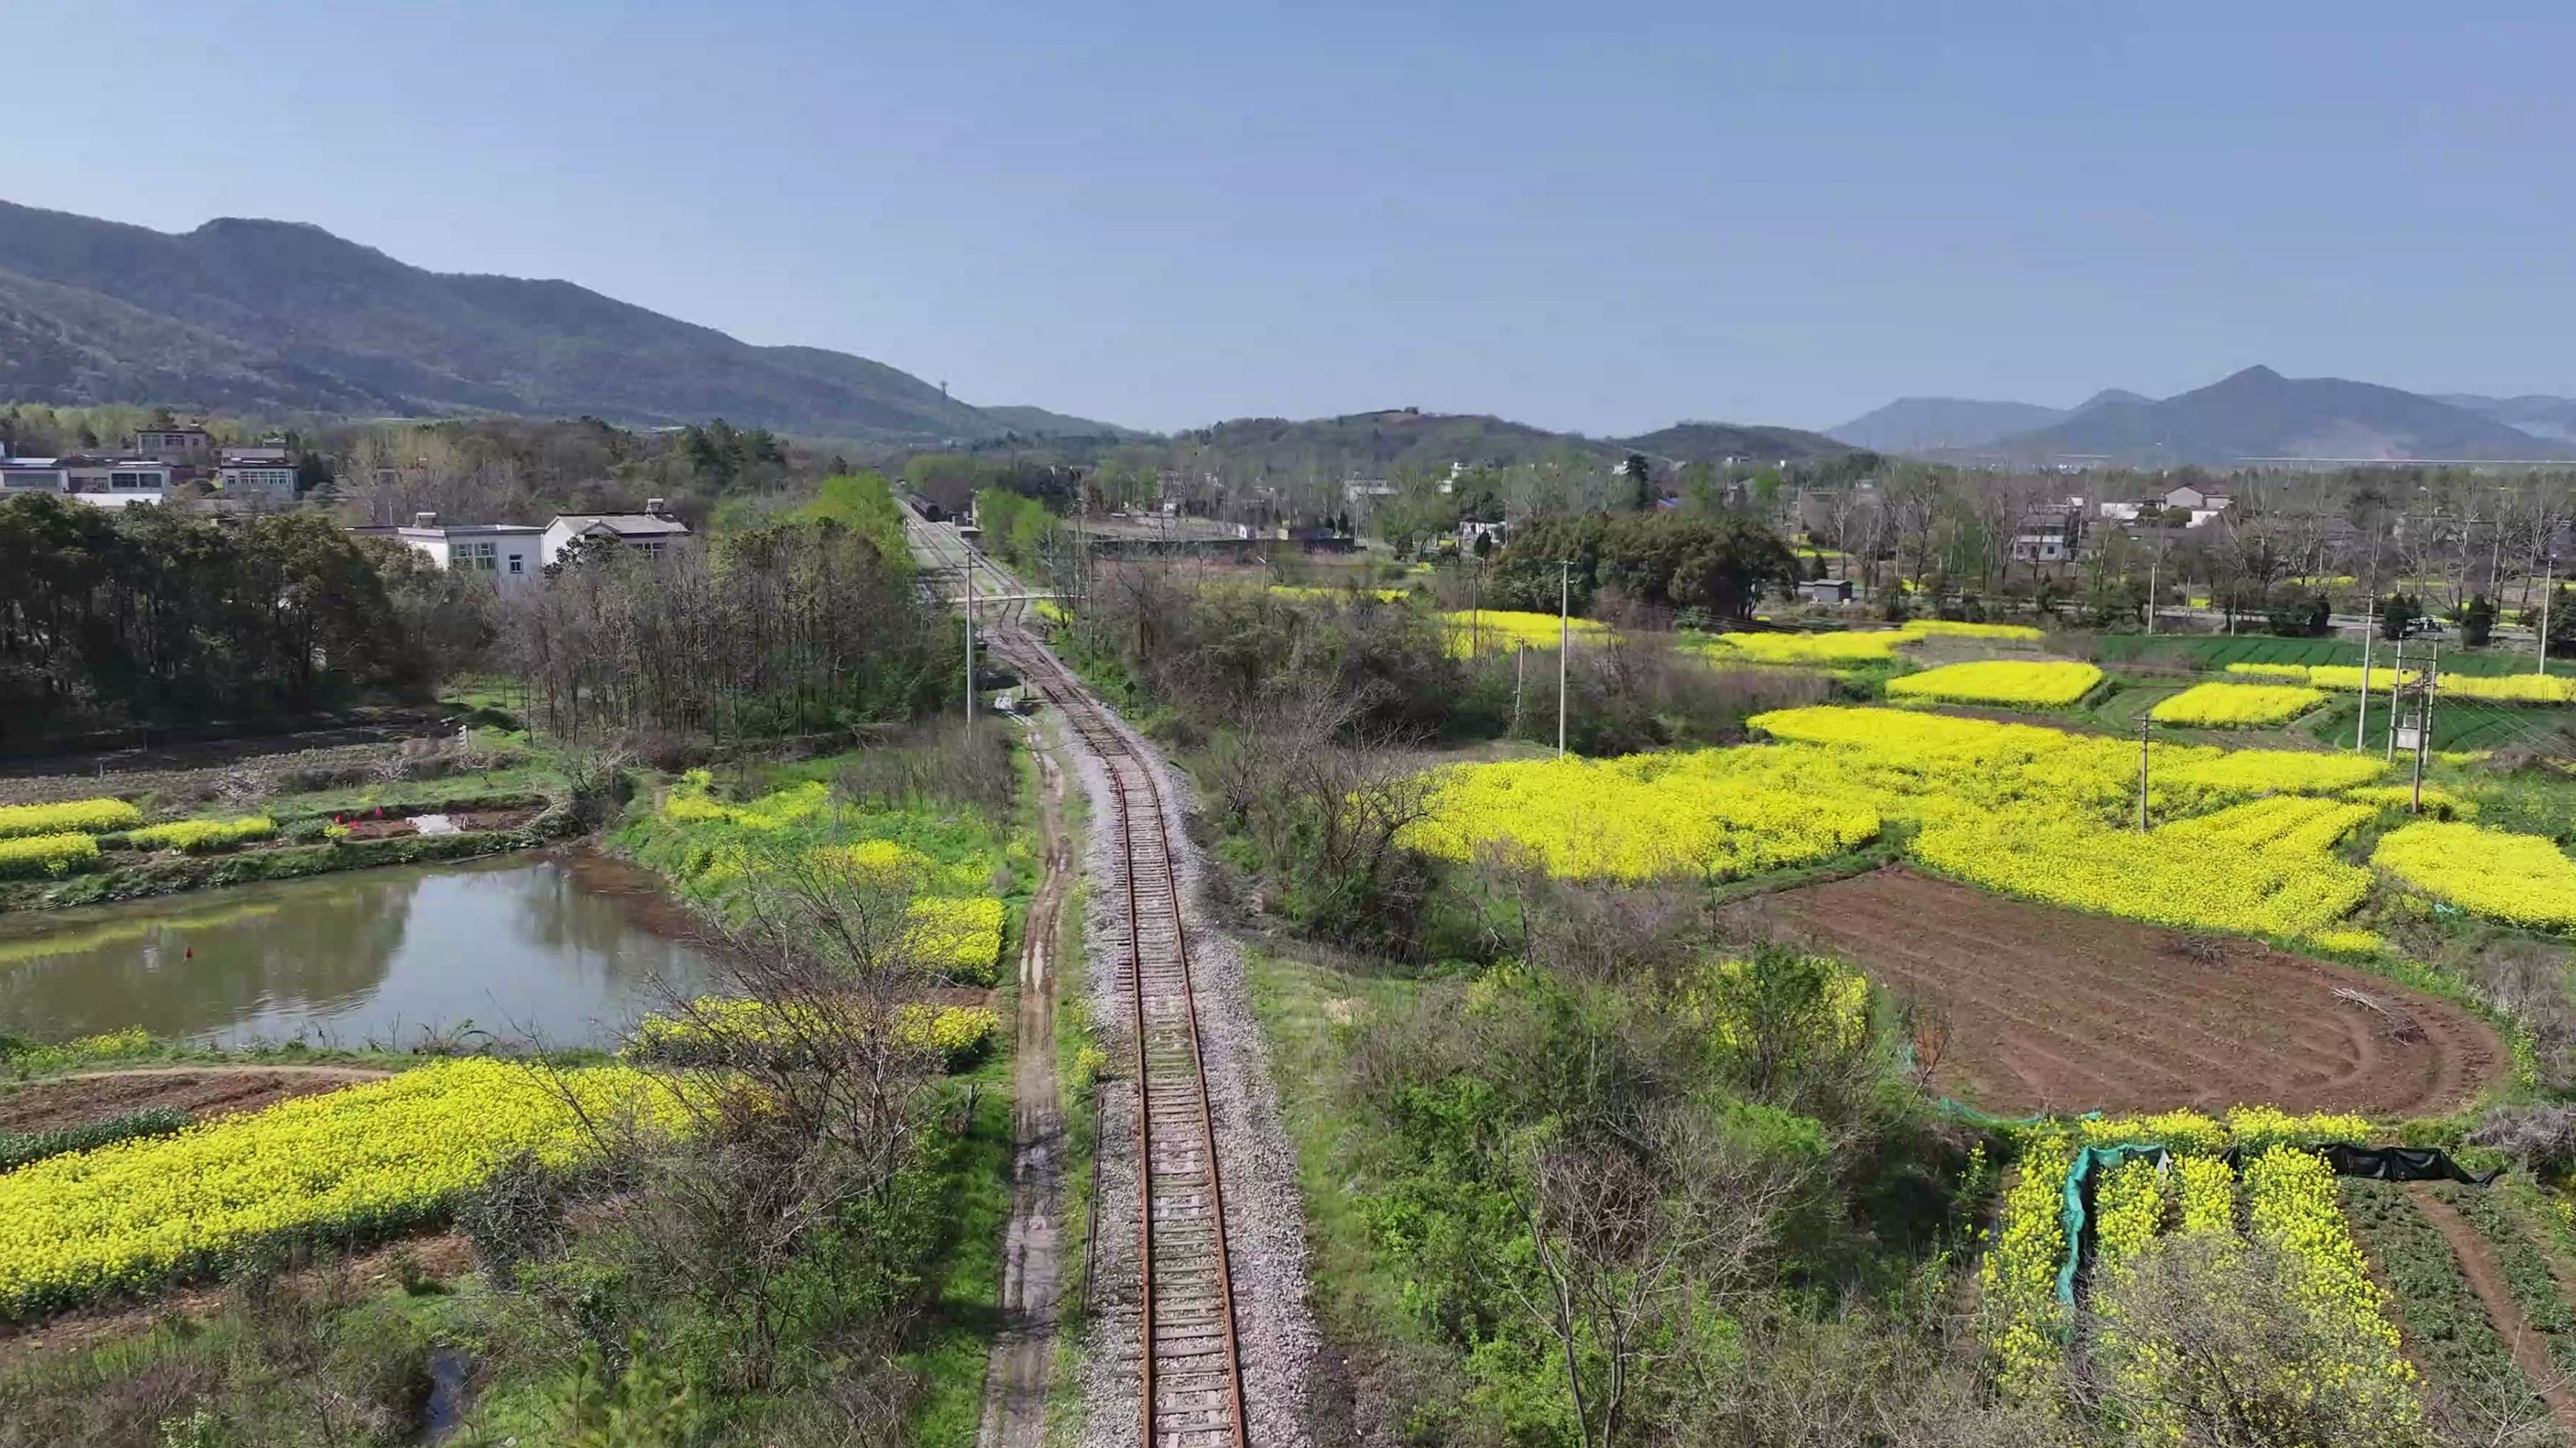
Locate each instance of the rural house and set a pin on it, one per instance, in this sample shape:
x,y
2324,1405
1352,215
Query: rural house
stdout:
x,y
650,531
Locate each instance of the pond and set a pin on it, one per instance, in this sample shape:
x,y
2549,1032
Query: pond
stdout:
x,y
561,947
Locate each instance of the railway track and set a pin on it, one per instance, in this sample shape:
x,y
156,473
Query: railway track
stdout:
x,y
1191,1394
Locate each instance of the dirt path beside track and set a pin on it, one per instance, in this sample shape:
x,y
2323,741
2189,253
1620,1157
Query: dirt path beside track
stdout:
x,y
1017,1381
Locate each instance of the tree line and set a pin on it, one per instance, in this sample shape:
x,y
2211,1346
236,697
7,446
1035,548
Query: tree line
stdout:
x,y
150,616
790,627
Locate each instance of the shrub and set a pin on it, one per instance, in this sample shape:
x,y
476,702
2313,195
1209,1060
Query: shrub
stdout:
x,y
46,855
80,816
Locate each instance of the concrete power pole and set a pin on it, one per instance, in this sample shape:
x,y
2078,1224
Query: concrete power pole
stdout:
x,y
1564,643
2396,699
2424,724
2143,725
966,552
2361,726
2548,585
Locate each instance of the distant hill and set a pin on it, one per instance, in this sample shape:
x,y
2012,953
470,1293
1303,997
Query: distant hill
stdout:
x,y
1376,442
1715,442
2258,413
1952,424
1037,422
254,316
1929,424
2553,418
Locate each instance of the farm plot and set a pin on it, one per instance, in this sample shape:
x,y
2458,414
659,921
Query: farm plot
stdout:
x,y
2053,1010
203,1094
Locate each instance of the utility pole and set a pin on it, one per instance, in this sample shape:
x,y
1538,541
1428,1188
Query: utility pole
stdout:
x,y
2424,724
2396,699
2143,725
1520,669
967,553
2548,582
1564,642
2154,562
2361,726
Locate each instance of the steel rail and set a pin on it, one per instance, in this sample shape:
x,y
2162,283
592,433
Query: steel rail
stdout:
x,y
1187,1427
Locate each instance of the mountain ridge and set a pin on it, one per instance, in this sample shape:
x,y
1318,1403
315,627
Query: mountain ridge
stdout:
x,y
247,313
2258,413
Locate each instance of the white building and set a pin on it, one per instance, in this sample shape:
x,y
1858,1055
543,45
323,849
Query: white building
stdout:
x,y
506,553
180,446
651,531
257,474
34,475
132,479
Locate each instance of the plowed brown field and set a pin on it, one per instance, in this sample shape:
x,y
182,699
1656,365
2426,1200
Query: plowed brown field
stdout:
x,y
79,1100
2051,1010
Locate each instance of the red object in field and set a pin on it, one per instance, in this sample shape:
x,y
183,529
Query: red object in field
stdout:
x,y
188,954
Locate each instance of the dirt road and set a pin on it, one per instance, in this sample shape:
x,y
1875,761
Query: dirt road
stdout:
x,y
1016,1383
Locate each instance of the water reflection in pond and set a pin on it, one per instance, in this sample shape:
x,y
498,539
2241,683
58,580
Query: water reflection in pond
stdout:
x,y
558,946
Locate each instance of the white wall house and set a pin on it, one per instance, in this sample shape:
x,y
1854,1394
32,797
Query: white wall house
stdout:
x,y
34,475
257,474
506,553
183,446
651,531
134,479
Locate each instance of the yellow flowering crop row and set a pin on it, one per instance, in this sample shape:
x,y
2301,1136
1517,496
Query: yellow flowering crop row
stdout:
x,y
2236,706
2290,1202
1643,817
1501,630
2179,880
2047,813
80,816
960,1034
1308,594
2027,683
46,854
691,801
2128,1211
195,836
378,1157
1947,628
960,938
1827,649
2437,800
2208,1193
2485,688
2255,1128
2020,1318
1853,647
2522,879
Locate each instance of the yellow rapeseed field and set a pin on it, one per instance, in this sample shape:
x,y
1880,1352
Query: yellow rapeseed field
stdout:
x,y
2236,706
1643,817
1862,646
1501,630
79,816
2014,683
2480,688
2044,813
2521,879
382,1156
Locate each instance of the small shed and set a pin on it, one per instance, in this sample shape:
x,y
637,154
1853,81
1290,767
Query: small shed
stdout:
x,y
1828,590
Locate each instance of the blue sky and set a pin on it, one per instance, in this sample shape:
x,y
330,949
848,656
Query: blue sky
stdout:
x,y
1604,216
